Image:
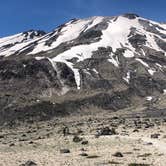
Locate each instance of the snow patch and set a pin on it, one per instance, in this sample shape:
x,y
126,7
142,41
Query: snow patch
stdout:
x,y
149,98
164,91
95,71
142,62
128,54
65,89
127,78
39,58
158,65
151,71
69,64
151,42
114,61
11,39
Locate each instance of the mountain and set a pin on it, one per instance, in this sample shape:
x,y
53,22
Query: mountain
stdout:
x,y
107,62
10,45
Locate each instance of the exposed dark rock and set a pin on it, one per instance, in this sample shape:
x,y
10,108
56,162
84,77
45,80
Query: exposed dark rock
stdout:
x,y
149,143
138,164
84,142
29,163
66,131
145,85
118,154
161,43
137,40
77,139
145,155
31,142
155,135
46,110
2,136
33,74
90,34
33,33
51,40
92,156
135,130
106,131
64,151
130,15
12,144
153,28
84,154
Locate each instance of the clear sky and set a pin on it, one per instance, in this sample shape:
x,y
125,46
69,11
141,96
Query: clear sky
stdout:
x,y
21,15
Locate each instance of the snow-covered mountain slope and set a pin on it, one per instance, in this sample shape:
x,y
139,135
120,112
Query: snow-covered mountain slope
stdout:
x,y
107,62
163,25
127,44
116,28
12,44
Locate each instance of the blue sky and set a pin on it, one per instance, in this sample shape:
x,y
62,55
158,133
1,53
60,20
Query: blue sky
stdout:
x,y
21,15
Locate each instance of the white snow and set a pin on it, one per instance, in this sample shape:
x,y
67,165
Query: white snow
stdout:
x,y
11,39
160,30
95,21
69,64
95,71
114,61
20,42
164,91
142,62
151,42
127,78
67,33
13,49
39,58
87,71
143,52
151,71
158,65
149,98
128,54
164,26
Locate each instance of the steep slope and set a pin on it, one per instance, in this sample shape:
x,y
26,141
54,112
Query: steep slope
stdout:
x,y
101,61
12,44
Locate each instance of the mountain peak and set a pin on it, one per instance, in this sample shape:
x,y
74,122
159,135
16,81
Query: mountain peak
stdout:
x,y
33,33
130,15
